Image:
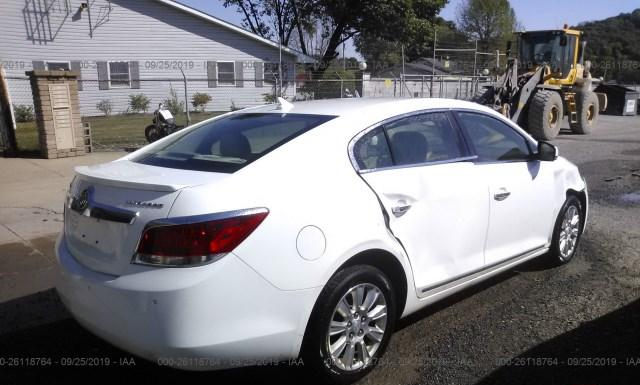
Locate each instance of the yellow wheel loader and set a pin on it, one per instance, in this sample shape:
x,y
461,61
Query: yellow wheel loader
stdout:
x,y
548,80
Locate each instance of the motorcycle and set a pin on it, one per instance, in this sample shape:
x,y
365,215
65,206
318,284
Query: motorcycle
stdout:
x,y
163,124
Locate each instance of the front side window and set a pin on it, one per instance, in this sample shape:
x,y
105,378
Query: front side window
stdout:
x,y
424,138
372,151
228,144
119,75
492,139
226,73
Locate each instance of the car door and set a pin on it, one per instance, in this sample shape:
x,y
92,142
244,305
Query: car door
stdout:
x,y
437,206
521,189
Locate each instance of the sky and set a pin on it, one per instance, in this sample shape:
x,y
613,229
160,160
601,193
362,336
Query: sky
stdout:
x,y
532,14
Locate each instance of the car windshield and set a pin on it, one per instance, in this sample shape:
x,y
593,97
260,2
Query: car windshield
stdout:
x,y
228,144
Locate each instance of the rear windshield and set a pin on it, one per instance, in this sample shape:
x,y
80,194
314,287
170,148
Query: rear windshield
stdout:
x,y
228,144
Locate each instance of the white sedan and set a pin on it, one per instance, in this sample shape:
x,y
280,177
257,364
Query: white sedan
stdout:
x,y
308,229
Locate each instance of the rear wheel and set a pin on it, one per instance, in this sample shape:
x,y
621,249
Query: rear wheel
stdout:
x,y
545,115
351,324
152,133
567,232
587,108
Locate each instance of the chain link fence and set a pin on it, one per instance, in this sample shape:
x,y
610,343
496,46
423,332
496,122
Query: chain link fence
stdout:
x,y
118,114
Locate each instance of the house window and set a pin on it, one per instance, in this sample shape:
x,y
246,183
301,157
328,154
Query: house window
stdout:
x,y
226,73
58,66
271,73
119,75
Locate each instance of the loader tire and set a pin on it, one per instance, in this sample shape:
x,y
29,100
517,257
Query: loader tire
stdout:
x,y
588,108
545,115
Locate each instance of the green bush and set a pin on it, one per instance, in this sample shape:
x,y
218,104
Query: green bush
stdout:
x,y
23,113
105,107
139,102
199,100
173,104
269,98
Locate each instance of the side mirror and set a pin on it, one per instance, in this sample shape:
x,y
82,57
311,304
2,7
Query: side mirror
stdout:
x,y
547,151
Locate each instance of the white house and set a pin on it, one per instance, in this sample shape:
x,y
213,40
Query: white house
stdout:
x,y
124,47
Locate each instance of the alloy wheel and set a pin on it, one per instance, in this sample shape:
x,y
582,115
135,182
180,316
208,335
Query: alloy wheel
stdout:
x,y
357,327
569,232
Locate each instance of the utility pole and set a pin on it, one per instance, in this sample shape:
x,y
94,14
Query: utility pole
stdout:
x,y
402,77
475,62
433,63
186,98
344,59
280,63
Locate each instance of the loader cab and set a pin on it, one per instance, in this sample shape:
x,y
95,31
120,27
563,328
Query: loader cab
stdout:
x,y
556,49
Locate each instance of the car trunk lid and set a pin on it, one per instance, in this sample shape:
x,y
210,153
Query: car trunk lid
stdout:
x,y
110,204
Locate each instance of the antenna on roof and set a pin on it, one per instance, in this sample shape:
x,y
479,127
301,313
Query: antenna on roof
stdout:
x,y
284,105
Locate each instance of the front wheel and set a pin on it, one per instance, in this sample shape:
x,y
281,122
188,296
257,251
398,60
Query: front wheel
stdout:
x,y
567,232
351,324
152,133
545,115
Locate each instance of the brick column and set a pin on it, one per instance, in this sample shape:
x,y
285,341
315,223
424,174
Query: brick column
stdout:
x,y
57,110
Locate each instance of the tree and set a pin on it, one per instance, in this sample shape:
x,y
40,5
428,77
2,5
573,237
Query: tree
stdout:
x,y
491,22
330,23
390,20
275,18
381,54
614,55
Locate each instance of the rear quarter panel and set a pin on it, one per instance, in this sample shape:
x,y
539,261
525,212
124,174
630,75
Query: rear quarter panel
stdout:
x,y
306,182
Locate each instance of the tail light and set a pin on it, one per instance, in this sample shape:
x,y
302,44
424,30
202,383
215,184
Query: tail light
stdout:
x,y
188,244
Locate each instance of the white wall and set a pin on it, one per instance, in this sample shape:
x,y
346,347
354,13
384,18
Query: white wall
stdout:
x,y
146,31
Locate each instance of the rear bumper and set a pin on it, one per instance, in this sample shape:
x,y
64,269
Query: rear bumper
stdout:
x,y
210,317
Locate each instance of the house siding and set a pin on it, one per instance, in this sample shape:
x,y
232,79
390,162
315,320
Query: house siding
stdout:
x,y
153,34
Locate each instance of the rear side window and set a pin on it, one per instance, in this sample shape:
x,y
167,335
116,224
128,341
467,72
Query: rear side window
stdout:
x,y
372,151
492,139
424,138
228,144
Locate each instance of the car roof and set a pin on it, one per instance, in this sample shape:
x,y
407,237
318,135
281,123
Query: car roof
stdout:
x,y
359,106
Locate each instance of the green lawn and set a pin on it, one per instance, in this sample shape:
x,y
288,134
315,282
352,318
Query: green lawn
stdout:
x,y
113,133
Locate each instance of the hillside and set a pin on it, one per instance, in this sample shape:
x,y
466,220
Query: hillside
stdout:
x,y
613,46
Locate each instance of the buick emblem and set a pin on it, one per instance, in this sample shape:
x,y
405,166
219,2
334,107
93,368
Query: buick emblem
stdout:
x,y
83,200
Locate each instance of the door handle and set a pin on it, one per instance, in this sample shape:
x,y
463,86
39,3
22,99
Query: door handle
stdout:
x,y
502,195
399,211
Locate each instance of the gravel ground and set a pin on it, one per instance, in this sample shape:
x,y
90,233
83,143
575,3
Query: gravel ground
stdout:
x,y
577,324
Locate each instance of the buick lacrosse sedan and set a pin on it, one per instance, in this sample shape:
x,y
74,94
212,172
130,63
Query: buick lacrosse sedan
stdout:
x,y
308,229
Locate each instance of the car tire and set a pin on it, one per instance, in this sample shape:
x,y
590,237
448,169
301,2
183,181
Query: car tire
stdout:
x,y
545,115
587,109
566,232
358,331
